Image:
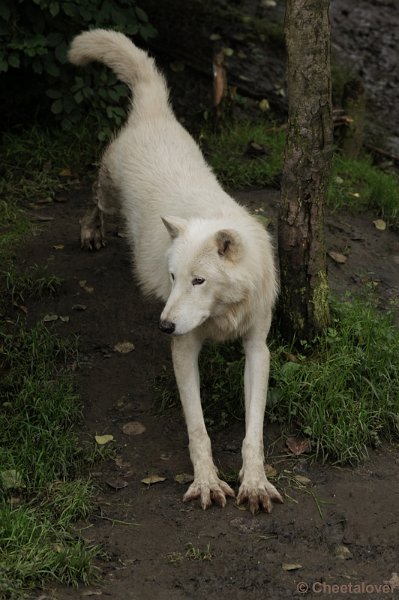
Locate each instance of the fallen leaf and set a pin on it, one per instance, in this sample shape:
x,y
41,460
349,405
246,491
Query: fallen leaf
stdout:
x,y
214,37
42,218
343,552
133,428
11,479
120,234
151,479
79,307
121,463
290,357
64,319
116,484
264,105
270,471
254,149
58,246
103,439
228,51
44,201
184,478
124,347
354,194
380,225
49,318
92,593
337,257
298,446
338,180
303,480
65,172
87,288
291,566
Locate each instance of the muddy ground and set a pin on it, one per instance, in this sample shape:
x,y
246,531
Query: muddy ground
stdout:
x,y
146,531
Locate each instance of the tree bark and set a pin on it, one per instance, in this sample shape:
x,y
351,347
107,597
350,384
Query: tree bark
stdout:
x,y
304,308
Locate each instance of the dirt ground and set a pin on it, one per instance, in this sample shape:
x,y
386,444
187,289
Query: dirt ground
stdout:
x,y
146,531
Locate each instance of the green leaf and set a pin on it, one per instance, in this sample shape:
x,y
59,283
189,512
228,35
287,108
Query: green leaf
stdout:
x,y
13,60
51,67
54,9
141,14
61,53
57,106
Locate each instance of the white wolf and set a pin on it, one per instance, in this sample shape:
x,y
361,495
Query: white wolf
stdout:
x,y
194,248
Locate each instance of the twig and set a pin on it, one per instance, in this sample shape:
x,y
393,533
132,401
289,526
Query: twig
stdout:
x,y
382,152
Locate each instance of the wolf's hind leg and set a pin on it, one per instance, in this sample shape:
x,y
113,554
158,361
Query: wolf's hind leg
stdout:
x,y
92,225
102,200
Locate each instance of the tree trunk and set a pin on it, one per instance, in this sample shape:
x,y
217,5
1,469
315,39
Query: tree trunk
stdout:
x,y
304,309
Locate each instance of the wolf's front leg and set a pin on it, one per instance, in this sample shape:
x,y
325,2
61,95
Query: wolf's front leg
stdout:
x,y
255,487
206,485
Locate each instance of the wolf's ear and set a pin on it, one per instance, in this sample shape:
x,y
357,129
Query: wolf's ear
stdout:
x,y
174,225
229,244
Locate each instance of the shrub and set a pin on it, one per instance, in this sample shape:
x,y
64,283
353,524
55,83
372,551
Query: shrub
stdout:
x,y
35,35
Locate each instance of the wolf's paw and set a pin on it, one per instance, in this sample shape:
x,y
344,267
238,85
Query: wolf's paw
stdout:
x,y
259,493
211,489
91,237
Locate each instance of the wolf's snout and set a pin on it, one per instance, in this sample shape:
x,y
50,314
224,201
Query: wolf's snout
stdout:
x,y
166,326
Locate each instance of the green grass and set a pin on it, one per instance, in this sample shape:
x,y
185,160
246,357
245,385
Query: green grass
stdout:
x,y
355,185
39,163
342,392
226,153
41,494
40,457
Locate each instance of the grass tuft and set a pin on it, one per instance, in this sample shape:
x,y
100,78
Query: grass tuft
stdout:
x,y
341,392
226,153
357,185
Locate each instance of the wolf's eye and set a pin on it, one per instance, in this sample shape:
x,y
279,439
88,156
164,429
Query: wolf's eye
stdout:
x,y
198,281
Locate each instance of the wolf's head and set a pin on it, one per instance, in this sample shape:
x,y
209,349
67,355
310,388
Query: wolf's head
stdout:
x,y
207,273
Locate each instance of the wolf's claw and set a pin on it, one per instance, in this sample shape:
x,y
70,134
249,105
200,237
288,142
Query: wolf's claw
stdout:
x,y
259,495
211,490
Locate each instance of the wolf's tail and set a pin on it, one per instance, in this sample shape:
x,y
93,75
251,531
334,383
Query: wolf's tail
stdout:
x,y
131,65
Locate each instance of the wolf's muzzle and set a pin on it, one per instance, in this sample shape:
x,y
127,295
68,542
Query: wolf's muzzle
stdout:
x,y
166,326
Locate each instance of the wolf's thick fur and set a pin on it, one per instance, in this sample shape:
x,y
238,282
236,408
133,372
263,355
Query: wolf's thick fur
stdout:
x,y
194,248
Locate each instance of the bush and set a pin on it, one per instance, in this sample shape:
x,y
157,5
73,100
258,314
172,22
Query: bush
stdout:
x,y
35,35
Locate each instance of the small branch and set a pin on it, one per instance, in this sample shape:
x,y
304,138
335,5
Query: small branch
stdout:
x,y
382,152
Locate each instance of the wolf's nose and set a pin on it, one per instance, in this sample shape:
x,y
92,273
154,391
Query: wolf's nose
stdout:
x,y
166,326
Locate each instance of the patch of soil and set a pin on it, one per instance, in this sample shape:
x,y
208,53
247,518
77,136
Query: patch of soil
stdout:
x,y
146,530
